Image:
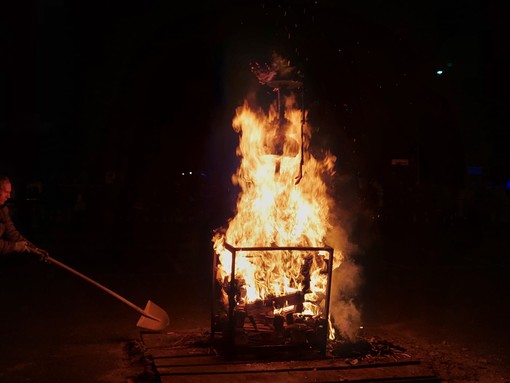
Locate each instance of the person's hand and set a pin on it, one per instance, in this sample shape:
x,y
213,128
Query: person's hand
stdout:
x,y
43,254
20,246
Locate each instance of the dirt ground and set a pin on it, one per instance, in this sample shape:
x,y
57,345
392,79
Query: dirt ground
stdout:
x,y
450,362
441,293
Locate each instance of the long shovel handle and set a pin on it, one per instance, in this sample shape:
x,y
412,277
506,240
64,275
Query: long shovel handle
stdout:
x,y
130,304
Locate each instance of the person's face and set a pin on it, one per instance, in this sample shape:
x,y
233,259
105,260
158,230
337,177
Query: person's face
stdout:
x,y
5,191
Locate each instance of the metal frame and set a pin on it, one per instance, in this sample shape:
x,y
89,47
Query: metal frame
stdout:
x,y
231,292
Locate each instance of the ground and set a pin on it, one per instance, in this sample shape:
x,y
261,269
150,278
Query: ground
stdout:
x,y
450,362
441,292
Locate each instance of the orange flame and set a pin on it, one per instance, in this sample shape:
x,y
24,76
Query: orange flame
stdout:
x,y
273,210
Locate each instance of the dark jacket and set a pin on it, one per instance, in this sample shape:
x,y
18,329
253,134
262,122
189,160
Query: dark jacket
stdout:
x,y
9,235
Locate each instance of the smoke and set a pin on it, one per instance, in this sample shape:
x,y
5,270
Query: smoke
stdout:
x,y
344,308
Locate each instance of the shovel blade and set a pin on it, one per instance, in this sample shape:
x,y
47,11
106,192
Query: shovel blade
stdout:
x,y
156,318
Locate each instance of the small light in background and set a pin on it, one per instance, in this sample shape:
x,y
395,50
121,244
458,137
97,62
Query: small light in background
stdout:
x,y
439,72
507,185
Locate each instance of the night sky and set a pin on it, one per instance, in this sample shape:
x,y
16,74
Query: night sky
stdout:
x,y
148,89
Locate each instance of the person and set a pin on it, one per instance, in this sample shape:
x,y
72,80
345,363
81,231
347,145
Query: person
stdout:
x,y
11,240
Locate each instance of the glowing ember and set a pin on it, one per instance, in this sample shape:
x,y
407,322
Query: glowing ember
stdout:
x,y
284,202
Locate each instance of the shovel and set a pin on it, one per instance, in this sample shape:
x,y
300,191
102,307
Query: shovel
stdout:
x,y
153,317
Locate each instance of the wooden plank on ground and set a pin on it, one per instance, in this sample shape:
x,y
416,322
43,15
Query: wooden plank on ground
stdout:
x,y
394,373
158,353
172,340
187,358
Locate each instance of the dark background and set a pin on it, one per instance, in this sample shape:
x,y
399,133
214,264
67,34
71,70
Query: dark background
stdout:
x,y
106,104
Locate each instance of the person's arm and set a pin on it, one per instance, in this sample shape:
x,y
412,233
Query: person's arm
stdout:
x,y
7,247
11,240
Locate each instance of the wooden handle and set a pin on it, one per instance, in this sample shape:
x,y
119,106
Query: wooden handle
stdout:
x,y
114,294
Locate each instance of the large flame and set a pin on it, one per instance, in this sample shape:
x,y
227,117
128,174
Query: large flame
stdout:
x,y
284,202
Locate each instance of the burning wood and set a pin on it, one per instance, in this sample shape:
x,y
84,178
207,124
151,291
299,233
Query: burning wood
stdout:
x,y
273,303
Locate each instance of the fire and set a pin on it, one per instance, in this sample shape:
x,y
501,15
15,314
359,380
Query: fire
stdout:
x,y
284,202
